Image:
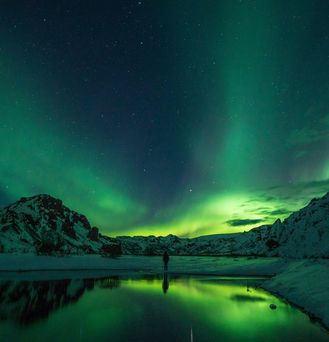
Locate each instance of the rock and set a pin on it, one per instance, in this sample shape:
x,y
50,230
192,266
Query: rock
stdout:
x,y
272,244
93,234
111,250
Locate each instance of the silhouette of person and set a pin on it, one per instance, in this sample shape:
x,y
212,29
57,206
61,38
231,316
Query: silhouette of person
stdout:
x,y
165,259
165,283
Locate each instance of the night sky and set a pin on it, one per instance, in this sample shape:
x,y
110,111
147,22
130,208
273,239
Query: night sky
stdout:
x,y
157,117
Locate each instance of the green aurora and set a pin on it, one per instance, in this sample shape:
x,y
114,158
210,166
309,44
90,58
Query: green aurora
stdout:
x,y
200,118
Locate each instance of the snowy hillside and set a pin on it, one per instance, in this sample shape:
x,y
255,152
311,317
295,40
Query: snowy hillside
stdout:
x,y
228,244
43,225
304,233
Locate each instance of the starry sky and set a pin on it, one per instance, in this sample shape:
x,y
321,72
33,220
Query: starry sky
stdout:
x,y
156,117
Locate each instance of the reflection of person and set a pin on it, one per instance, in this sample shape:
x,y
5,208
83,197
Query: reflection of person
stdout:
x,y
165,259
165,283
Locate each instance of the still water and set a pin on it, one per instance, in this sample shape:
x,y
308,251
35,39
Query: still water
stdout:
x,y
149,309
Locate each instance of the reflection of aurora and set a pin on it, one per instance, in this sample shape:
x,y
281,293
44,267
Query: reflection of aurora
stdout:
x,y
223,303
104,308
40,298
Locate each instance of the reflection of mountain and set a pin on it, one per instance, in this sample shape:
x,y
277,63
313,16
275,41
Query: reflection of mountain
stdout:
x,y
109,283
28,301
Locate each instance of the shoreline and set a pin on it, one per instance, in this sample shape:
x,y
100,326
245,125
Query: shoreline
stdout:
x,y
313,318
304,284
301,282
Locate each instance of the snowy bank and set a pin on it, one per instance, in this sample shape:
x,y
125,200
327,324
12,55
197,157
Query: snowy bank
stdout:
x,y
304,283
245,266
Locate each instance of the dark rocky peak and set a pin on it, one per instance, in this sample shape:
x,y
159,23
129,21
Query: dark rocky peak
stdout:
x,y
47,201
50,203
42,224
41,202
51,208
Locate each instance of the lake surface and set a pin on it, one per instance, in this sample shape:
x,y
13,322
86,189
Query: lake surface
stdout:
x,y
149,309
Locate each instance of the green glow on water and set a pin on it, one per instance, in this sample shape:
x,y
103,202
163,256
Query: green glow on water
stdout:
x,y
139,310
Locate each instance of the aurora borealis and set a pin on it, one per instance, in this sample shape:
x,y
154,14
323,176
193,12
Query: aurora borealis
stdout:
x,y
157,117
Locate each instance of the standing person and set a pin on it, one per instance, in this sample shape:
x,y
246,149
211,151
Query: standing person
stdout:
x,y
165,259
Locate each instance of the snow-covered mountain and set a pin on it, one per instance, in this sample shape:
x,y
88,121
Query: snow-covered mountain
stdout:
x,y
42,224
304,233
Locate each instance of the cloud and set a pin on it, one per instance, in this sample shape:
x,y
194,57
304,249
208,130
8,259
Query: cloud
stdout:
x,y
275,212
243,222
280,212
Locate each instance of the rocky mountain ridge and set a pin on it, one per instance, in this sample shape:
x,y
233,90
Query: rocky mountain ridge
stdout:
x,y
304,234
42,224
